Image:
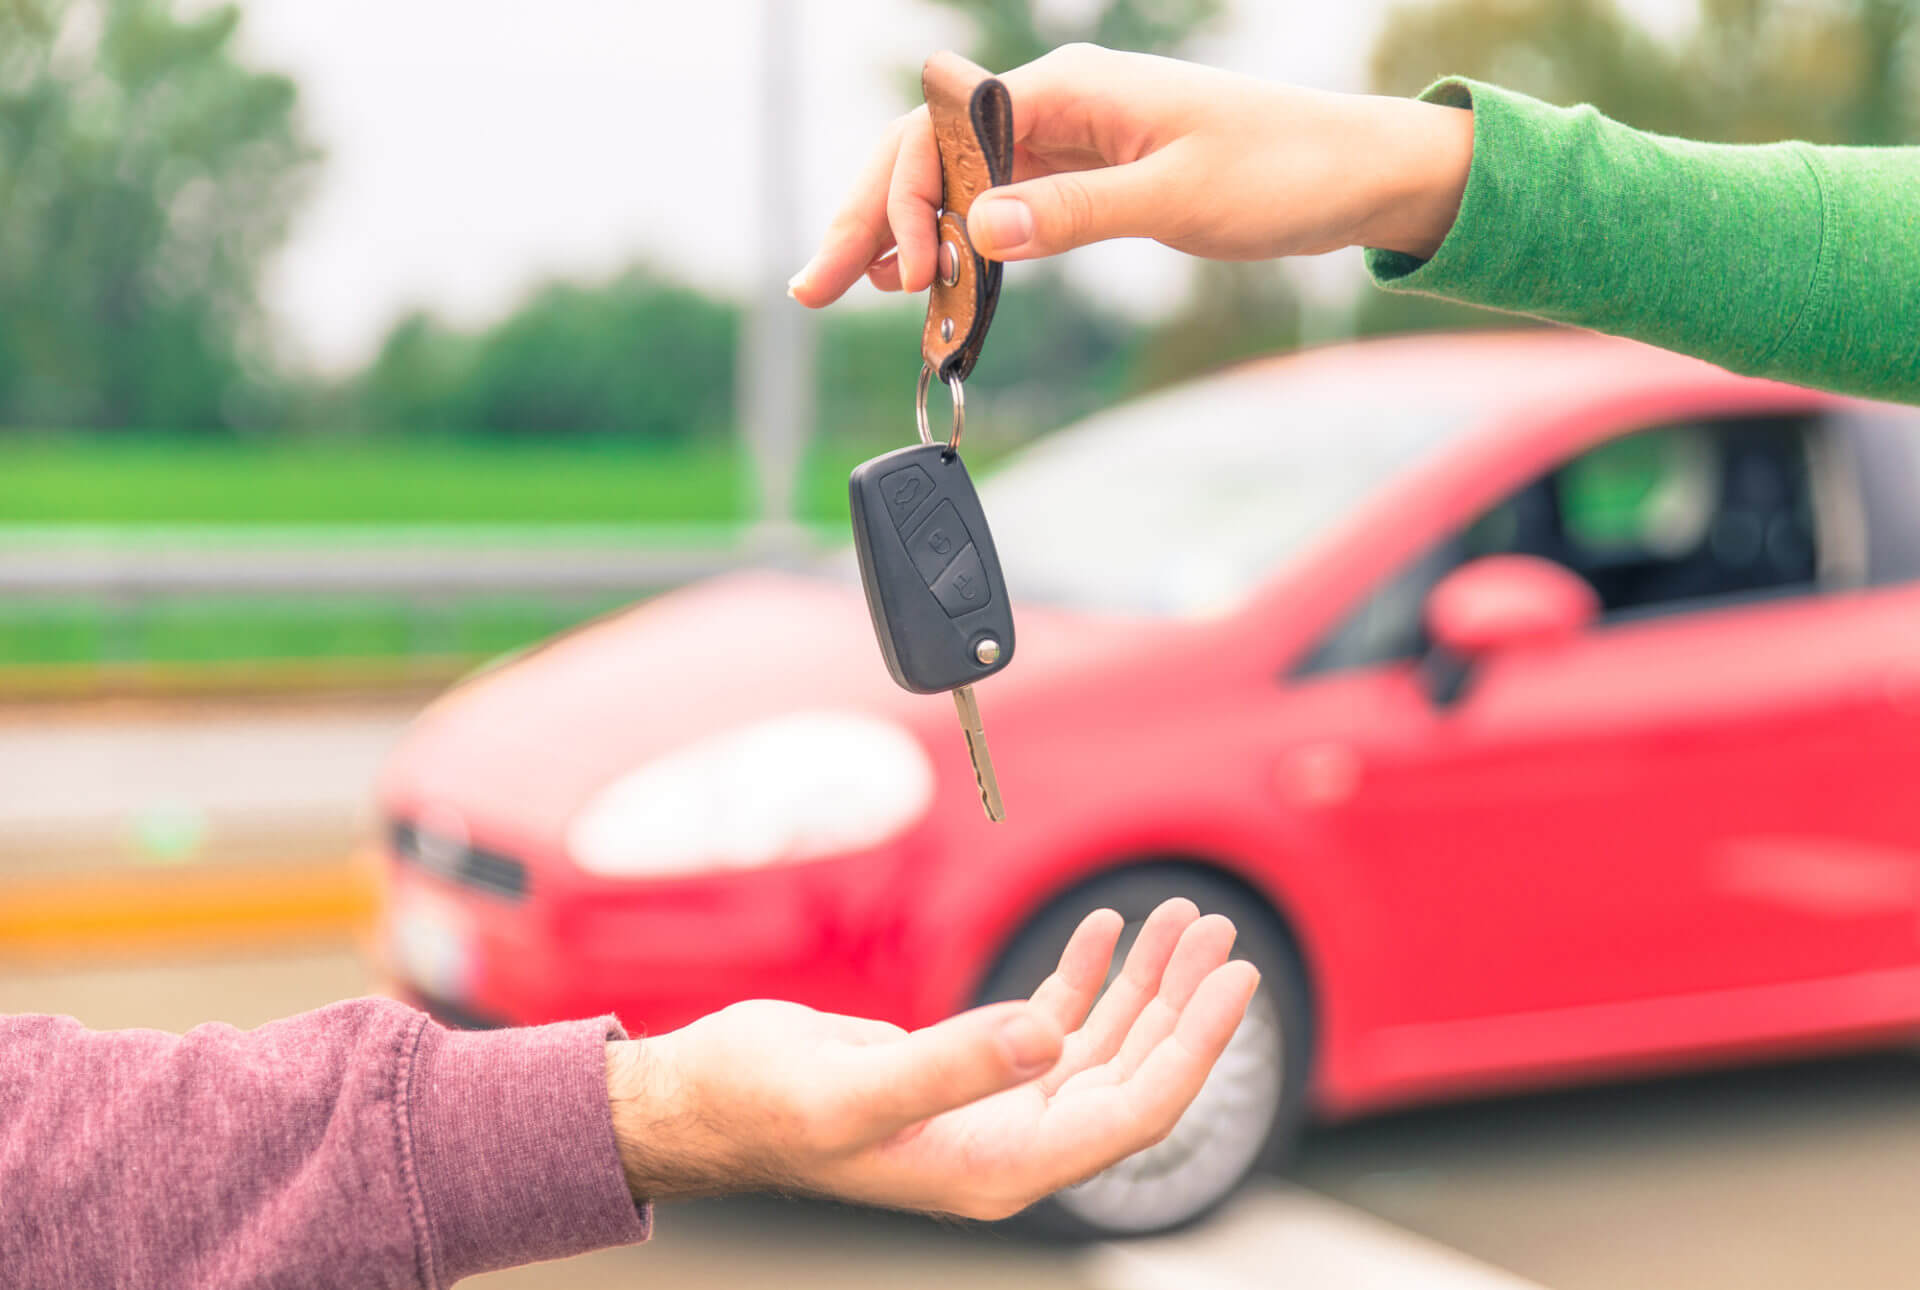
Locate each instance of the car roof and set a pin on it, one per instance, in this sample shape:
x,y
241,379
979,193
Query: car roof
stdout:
x,y
1495,372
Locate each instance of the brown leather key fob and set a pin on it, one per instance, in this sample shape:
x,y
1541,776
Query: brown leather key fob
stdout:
x,y
973,124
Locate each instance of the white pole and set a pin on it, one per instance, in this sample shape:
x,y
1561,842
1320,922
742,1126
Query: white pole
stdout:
x,y
774,386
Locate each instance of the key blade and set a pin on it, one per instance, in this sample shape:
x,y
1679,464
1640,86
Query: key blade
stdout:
x,y
989,783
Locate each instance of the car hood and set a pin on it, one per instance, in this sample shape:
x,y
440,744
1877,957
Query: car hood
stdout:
x,y
519,750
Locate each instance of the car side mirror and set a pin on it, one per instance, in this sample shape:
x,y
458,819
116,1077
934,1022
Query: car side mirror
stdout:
x,y
1498,603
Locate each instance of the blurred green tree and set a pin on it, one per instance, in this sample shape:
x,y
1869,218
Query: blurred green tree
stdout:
x,y
1749,71
637,357
642,356
1008,33
1233,312
1053,356
144,176
1564,51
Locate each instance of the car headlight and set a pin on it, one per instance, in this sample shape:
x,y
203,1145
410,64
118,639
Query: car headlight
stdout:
x,y
797,787
431,943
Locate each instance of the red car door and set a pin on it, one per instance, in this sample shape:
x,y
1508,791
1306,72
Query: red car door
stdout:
x,y
1701,803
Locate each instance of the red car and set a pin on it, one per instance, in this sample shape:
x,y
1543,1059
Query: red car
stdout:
x,y
1540,706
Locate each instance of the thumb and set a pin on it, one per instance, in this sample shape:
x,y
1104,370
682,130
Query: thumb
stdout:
x,y
960,1060
1059,212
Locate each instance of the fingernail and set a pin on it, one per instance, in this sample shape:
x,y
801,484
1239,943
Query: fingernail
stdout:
x,y
1028,1042
1000,224
799,279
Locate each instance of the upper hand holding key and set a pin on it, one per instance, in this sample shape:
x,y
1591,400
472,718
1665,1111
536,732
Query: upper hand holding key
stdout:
x,y
1128,145
980,1115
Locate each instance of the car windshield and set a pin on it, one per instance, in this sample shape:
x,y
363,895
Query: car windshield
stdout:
x,y
1180,505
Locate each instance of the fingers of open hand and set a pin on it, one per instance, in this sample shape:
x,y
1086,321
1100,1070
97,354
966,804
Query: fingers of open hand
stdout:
x,y
1204,946
861,1030
884,1087
1068,993
1090,1130
859,233
1138,982
1172,1073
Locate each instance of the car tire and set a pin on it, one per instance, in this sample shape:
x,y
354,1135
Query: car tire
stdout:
x,y
1250,1111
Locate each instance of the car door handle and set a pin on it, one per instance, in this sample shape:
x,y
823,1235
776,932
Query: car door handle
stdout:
x,y
1319,774
1900,690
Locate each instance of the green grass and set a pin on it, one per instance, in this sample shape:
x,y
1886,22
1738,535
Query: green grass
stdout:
x,y
216,631
118,489
146,480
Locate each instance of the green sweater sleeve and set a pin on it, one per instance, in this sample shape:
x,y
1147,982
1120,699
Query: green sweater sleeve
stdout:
x,y
1784,260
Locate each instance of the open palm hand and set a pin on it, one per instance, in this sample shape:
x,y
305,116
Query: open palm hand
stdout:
x,y
980,1115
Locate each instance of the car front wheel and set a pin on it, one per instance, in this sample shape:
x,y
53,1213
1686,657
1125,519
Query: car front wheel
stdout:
x,y
1249,1108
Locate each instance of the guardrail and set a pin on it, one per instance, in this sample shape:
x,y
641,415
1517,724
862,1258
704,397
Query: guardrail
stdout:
x,y
427,574
130,567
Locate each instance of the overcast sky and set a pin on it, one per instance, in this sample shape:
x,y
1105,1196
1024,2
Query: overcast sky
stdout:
x,y
475,147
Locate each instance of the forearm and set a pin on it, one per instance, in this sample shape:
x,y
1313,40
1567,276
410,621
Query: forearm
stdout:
x,y
357,1145
1786,260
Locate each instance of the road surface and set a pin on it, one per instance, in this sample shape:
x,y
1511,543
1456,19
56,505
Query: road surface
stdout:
x,y
99,786
1787,1177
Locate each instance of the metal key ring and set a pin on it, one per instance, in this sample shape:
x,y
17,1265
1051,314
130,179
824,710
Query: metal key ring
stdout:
x,y
920,408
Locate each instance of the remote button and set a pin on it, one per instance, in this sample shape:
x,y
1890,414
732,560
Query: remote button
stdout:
x,y
905,491
936,543
963,587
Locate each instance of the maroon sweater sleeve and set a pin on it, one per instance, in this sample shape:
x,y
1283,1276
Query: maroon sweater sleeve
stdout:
x,y
361,1145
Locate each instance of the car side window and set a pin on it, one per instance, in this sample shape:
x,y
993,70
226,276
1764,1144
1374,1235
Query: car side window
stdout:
x,y
1388,625
1665,519
1886,444
1674,517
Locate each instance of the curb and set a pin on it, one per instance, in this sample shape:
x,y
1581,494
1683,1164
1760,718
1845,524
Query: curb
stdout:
x,y
122,913
307,678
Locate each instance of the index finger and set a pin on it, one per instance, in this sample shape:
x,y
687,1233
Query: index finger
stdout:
x,y
913,200
859,233
1068,993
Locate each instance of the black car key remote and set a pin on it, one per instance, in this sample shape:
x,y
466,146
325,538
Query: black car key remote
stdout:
x,y
926,557
933,583
932,576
